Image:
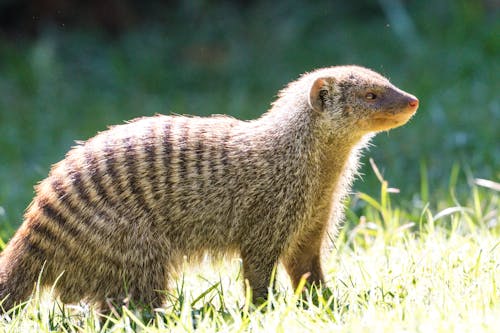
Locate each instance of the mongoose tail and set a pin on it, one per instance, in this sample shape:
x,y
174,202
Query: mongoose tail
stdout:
x,y
20,267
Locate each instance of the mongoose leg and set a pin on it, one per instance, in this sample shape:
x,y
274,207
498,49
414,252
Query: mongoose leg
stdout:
x,y
134,295
113,287
258,270
305,260
13,295
144,290
148,293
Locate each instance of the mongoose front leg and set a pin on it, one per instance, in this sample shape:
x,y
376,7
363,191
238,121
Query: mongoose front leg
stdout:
x,y
304,259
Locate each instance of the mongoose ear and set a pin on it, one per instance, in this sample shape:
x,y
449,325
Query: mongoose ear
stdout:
x,y
318,93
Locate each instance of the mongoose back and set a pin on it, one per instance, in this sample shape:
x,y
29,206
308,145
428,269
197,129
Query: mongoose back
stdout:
x,y
119,213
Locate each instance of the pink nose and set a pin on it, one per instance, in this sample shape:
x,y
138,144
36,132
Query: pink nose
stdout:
x,y
413,102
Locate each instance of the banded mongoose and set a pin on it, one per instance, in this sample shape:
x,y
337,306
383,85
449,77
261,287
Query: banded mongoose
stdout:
x,y
119,213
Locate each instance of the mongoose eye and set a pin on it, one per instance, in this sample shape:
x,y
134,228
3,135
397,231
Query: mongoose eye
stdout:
x,y
370,96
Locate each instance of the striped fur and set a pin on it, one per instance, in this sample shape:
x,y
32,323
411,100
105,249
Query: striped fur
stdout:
x,y
117,215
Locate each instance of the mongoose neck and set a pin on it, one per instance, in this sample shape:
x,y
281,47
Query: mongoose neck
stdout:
x,y
332,152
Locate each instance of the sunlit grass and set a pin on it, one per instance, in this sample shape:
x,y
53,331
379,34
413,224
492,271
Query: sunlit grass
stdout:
x,y
390,272
66,85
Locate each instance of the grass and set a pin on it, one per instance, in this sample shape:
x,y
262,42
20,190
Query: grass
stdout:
x,y
424,259
67,85
435,271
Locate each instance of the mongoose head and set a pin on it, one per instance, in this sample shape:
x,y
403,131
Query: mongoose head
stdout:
x,y
360,99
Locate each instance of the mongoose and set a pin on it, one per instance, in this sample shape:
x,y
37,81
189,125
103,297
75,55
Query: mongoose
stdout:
x,y
119,213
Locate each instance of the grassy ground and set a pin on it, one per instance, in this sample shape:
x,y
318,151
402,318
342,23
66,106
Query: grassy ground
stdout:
x,y
428,262
436,272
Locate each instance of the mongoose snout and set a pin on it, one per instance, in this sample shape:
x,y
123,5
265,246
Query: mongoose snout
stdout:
x,y
116,217
388,108
413,102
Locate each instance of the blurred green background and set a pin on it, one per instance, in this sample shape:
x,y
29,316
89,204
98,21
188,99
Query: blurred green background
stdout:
x,y
70,68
